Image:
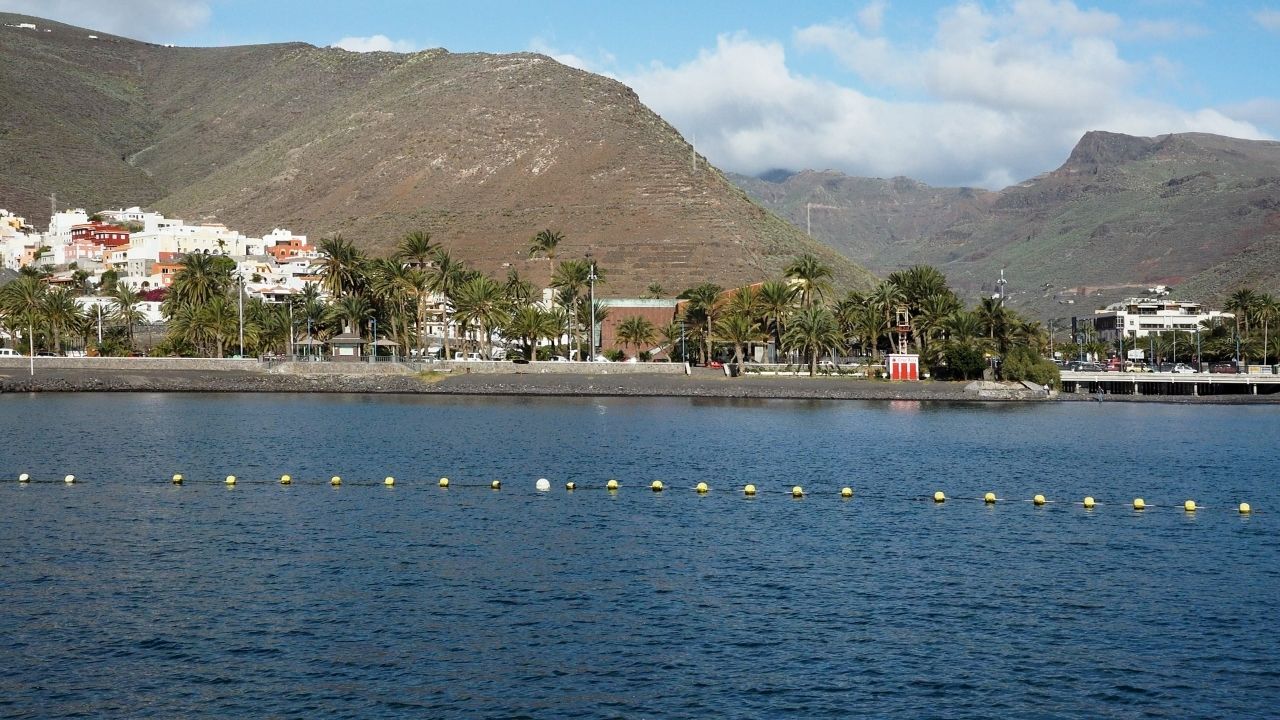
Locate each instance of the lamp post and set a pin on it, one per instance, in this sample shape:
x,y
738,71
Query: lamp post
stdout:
x,y
684,353
373,347
240,303
291,328
591,298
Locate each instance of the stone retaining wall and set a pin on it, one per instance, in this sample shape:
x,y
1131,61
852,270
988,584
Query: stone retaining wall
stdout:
x,y
554,368
130,363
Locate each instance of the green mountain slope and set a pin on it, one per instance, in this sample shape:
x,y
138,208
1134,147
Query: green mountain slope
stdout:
x,y
1197,212
480,150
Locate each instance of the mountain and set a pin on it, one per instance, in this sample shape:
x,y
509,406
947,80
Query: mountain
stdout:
x,y
480,150
1197,212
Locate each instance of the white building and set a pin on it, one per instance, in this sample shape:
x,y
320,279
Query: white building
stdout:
x,y
1139,317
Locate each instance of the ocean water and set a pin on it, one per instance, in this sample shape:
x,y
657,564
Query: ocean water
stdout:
x,y
127,596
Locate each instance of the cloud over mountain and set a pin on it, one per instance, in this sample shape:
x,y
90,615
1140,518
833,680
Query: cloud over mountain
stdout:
x,y
994,97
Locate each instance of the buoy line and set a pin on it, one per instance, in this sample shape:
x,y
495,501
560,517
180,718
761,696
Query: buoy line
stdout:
x,y
702,488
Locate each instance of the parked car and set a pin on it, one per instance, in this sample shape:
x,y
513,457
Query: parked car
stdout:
x,y
1224,367
9,352
1080,366
715,364
46,353
1181,368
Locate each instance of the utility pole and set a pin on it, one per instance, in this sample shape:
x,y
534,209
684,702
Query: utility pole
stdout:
x,y
808,215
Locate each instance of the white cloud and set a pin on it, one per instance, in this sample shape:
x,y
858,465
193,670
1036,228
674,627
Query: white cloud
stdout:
x,y
1165,30
600,64
1263,112
990,110
153,20
1269,19
871,16
376,43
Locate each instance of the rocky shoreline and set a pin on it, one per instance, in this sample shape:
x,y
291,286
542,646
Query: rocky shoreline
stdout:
x,y
701,384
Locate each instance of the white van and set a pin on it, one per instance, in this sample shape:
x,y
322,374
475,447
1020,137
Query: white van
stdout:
x,y
9,352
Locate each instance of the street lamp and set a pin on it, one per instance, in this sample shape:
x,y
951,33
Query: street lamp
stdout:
x,y
240,303
591,281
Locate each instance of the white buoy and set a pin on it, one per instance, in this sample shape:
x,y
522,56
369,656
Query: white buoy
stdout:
x,y
542,485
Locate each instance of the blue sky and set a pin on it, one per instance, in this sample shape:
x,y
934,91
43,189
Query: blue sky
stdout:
x,y
982,92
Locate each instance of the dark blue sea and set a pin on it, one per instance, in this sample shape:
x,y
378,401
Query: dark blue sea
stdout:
x,y
126,596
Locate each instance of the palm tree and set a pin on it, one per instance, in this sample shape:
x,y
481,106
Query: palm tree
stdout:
x,y
342,269
1267,308
1243,303
703,306
929,316
776,300
886,297
531,324
24,302
518,290
655,291
199,279
394,285
739,329
813,330
965,341
571,278
416,249
219,321
351,311
812,278
126,310
637,331
919,282
61,314
544,243
443,278
481,301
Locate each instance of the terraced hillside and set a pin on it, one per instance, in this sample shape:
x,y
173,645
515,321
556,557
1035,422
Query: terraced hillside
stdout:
x,y
480,150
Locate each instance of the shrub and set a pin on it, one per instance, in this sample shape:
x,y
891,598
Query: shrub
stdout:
x,y
1026,364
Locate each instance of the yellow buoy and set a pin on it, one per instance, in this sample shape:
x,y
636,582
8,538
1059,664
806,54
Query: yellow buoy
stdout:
x,y
797,491
1038,500
389,481
444,482
846,492
335,481
702,488
1245,509
286,480
70,479
749,490
1139,504
1088,502
656,486
989,498
496,484
27,478
231,480
1189,506
177,479
571,485
611,485
939,497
